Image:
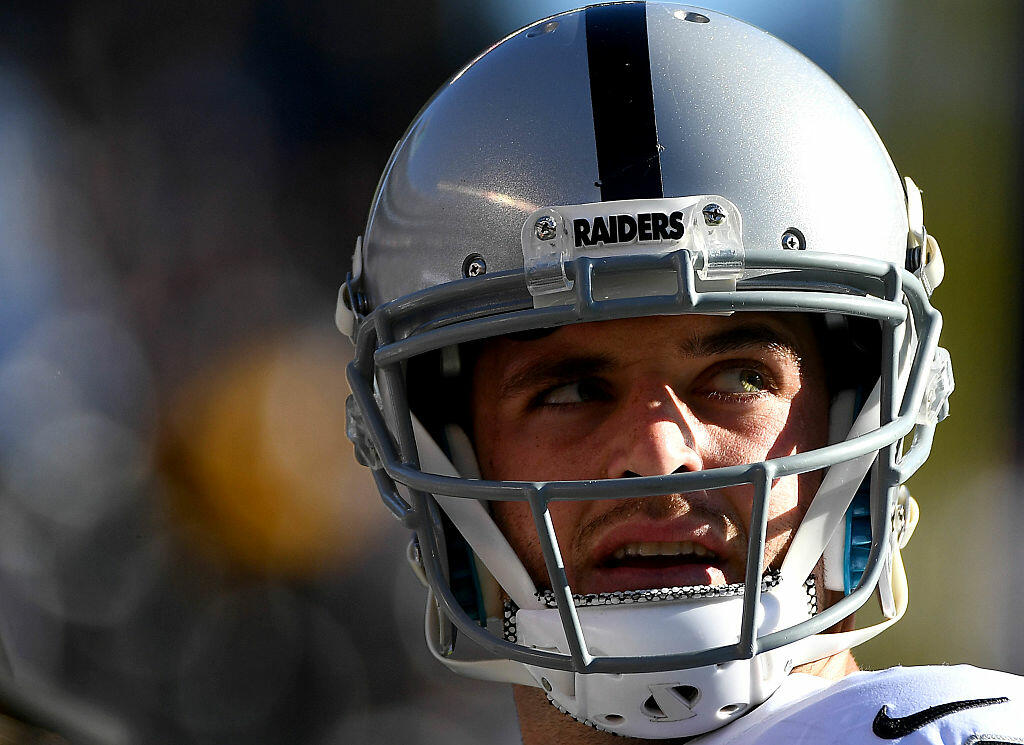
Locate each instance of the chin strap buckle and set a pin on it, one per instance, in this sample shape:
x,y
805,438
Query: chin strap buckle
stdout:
x,y
904,520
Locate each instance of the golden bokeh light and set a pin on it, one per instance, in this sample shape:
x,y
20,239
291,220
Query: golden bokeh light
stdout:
x,y
260,468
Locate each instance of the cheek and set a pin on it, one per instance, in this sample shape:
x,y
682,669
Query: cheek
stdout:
x,y
752,440
789,502
511,452
795,428
515,520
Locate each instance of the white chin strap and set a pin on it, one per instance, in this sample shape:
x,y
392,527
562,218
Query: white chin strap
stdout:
x,y
500,561
490,548
675,703
823,524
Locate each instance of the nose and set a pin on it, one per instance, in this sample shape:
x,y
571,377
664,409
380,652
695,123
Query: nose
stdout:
x,y
654,434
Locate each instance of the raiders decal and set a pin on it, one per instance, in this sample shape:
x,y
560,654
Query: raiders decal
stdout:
x,y
643,228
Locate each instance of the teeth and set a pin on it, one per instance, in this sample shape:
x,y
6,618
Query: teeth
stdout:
x,y
656,548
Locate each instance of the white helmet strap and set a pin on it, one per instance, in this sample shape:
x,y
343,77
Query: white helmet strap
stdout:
x,y
476,525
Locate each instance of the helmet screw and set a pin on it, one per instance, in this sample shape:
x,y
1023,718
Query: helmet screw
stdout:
x,y
793,240
545,228
713,214
474,266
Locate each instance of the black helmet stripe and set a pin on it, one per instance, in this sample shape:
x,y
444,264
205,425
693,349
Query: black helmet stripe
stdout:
x,y
628,160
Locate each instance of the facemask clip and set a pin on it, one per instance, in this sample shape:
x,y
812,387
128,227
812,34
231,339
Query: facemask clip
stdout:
x,y
935,406
355,429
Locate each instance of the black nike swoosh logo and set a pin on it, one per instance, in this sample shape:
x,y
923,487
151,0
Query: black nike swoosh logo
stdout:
x,y
889,728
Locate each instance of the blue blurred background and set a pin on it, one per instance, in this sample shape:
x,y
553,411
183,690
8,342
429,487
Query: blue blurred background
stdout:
x,y
184,536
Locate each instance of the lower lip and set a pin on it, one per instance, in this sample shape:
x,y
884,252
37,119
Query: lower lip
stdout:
x,y
632,578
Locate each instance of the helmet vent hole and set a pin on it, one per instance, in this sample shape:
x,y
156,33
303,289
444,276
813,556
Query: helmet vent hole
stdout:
x,y
689,694
614,718
547,28
692,17
652,709
731,710
547,685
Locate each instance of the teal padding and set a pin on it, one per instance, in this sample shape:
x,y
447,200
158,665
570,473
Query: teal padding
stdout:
x,y
858,524
858,536
465,582
462,573
481,610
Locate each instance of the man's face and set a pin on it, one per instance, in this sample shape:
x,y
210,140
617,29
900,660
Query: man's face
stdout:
x,y
644,397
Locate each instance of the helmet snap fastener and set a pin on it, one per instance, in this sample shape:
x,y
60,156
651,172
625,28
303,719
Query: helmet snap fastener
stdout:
x,y
713,214
793,240
545,228
474,266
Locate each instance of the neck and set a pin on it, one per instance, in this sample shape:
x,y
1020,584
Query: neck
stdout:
x,y
833,668
541,723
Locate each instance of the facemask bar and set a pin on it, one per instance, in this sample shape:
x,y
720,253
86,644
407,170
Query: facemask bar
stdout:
x,y
846,285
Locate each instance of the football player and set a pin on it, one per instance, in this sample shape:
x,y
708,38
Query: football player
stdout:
x,y
645,353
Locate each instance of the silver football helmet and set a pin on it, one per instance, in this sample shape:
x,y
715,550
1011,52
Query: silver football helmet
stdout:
x,y
632,159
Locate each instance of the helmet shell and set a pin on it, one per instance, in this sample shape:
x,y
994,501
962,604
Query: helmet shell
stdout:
x,y
737,112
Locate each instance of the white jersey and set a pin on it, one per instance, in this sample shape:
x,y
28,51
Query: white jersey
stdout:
x,y
953,705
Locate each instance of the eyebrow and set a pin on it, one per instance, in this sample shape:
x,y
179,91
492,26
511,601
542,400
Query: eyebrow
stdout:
x,y
742,337
545,372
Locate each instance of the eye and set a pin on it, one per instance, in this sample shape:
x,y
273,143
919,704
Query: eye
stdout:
x,y
741,381
576,392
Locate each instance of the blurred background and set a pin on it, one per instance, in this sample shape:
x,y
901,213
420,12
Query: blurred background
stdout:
x,y
185,538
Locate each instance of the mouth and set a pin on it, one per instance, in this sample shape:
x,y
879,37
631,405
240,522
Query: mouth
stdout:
x,y
659,555
648,565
